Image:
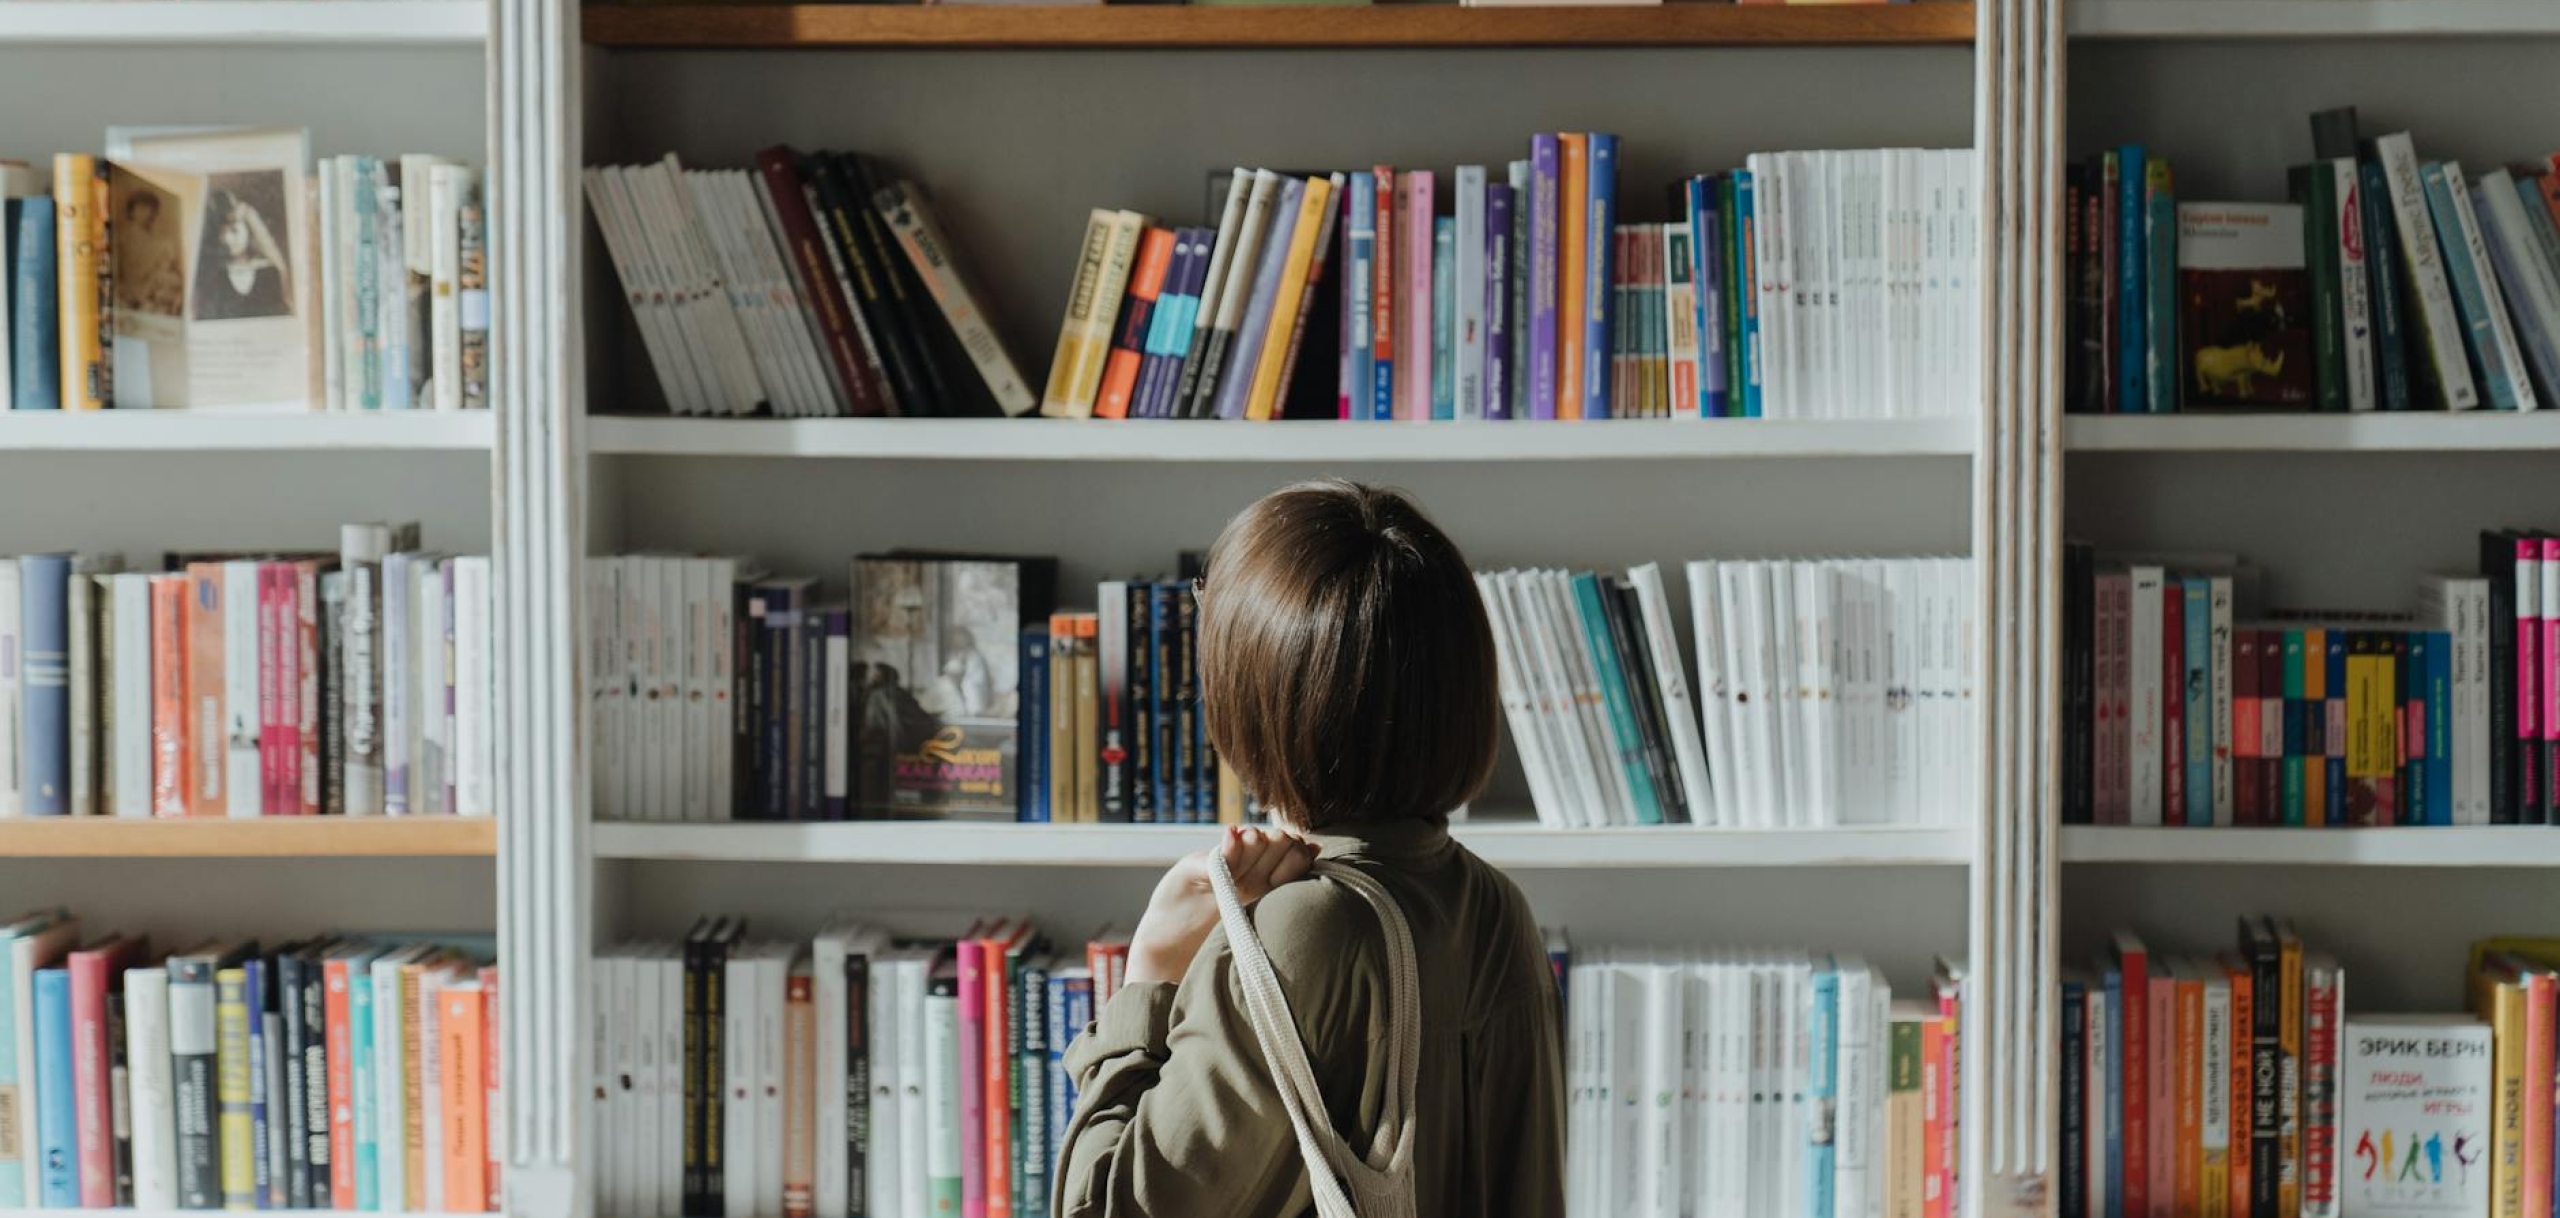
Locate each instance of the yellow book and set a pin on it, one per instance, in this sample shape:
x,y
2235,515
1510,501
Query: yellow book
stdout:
x,y
1084,338
1315,207
2315,688
1573,192
2213,1079
80,263
234,1090
2502,1003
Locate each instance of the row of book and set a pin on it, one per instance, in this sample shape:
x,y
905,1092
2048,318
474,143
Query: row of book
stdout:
x,y
2236,1084
2188,706
1761,1083
855,1072
220,269
1829,692
2388,282
815,285
1806,285
332,1073
358,683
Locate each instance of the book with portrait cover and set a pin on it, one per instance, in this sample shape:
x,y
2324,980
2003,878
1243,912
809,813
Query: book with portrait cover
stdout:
x,y
210,301
936,667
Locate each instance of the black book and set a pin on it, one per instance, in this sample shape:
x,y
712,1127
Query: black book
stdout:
x,y
1626,627
705,1073
1183,667
281,993
2075,1082
314,1097
1111,670
857,1085
918,318
192,1041
120,1089
1142,704
813,719
2506,761
2266,1047
333,693
1164,665
842,206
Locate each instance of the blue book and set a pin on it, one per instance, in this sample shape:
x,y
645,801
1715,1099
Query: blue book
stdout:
x,y
1822,1088
2131,312
1160,696
1031,749
1746,283
1706,220
2160,289
1499,213
13,1177
2382,265
57,1115
2111,989
1170,325
256,985
2198,590
2075,1096
2470,293
1360,270
45,635
361,1080
1235,384
2514,256
2334,764
2439,728
27,258
1444,318
1588,606
1599,273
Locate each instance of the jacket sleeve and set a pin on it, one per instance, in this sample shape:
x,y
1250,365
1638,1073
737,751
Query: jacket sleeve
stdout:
x,y
1176,1114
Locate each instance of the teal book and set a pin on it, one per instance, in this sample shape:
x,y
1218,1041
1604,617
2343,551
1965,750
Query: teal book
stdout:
x,y
1444,317
1822,1090
2160,285
2295,712
2437,791
362,1085
57,1115
2198,680
13,1087
1614,694
2132,272
2470,295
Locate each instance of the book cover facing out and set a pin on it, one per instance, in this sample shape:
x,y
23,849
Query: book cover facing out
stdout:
x,y
936,676
2414,1136
2244,306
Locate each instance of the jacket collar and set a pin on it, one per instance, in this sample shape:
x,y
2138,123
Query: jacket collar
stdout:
x,y
1401,838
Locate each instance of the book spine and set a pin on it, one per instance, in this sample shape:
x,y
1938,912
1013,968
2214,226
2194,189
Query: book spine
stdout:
x,y
1501,323
1384,283
1546,234
45,683
1573,282
903,210
2134,1091
1143,705
56,1109
151,1087
89,973
1111,651
1468,263
2355,294
2315,191
1600,271
2470,290
2196,679
2384,270
289,1118
1234,383
1415,345
2324,1016
806,250
1743,294
82,262
1444,309
34,339
2132,314
1289,317
970,1055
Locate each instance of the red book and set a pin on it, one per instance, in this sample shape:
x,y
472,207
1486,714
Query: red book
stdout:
x,y
1934,1202
202,707
2173,702
2244,729
2323,1018
1146,283
999,951
338,1040
170,761
93,969
2133,963
2236,1075
1382,307
806,250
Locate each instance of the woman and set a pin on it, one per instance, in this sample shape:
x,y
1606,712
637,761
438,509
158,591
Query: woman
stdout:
x,y
1347,672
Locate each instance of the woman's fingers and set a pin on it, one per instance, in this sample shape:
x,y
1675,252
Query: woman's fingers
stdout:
x,y
1297,860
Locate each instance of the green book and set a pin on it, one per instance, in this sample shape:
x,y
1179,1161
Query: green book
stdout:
x,y
2316,189
2297,718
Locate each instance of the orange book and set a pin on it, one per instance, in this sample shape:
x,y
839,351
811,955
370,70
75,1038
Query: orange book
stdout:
x,y
799,1092
205,689
489,1073
2289,1057
465,1115
80,269
1572,191
2315,689
410,1121
2236,1075
1120,369
339,1039
998,952
170,763
2188,1087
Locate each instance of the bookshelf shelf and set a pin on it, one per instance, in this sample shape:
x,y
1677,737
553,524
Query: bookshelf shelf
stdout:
x,y
2416,431
272,837
2495,846
1319,441
195,431
244,22
1520,846
1177,28
2222,19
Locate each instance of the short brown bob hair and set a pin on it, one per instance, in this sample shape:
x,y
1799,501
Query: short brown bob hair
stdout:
x,y
1346,666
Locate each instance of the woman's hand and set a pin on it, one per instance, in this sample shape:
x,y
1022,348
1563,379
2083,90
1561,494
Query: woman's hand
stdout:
x,y
1184,908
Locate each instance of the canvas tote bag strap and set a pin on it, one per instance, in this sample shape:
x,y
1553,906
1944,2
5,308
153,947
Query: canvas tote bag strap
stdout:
x,y
1382,1179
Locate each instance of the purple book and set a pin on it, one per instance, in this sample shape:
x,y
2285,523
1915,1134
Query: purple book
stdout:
x,y
1236,383
1545,170
1497,303
1346,368
1176,307
1706,220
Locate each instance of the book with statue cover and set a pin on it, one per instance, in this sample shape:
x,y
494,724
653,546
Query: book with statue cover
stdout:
x,y
2244,315
936,670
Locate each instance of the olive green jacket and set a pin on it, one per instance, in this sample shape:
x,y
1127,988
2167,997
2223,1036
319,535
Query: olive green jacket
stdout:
x,y
1176,1115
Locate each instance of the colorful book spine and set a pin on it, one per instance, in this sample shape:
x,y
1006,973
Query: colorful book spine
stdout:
x,y
1467,274
969,1051
1444,318
1744,292
235,1083
1599,270
2196,681
82,264
1416,345
1822,1091
1546,230
2470,290
1244,356
56,1112
34,339
44,750
2130,275
2160,286
1384,283
1500,323
1573,282
1137,314
1359,336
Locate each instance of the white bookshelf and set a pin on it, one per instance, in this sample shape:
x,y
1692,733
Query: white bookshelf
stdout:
x,y
2295,19
181,431
244,23
2414,431
2501,846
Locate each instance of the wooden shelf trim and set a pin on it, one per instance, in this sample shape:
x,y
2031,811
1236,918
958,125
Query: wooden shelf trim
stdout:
x,y
885,26
269,837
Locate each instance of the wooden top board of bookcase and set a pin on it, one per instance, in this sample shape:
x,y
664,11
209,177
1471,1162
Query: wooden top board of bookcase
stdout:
x,y
880,26
269,837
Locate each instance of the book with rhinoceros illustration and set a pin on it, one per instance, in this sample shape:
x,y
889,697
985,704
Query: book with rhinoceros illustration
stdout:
x,y
2244,306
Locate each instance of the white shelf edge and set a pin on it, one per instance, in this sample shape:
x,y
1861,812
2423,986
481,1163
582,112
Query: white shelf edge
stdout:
x,y
2411,431
2493,846
2224,19
220,431
1512,845
244,22
130,1212
1306,440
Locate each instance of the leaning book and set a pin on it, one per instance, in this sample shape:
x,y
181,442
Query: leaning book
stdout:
x,y
937,679
212,301
2416,1122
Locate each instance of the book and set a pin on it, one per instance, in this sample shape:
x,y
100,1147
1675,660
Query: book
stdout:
x,y
2245,305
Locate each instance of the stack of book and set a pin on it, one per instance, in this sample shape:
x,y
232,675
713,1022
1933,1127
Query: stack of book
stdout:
x,y
1806,285
1759,1083
815,286
336,1073
2189,707
937,1057
2237,1084
218,269
2387,282
249,684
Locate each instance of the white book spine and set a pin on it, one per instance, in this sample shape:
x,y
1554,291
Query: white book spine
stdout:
x,y
1714,694
425,649
667,967
2439,326
2354,296
129,752
446,187
607,1032
242,792
1859,1104
389,1074
920,1151
1658,1164
1671,686
827,1002
1470,281
2143,681
471,687
81,601
881,1104
399,679
771,972
12,707
724,708
739,1157
700,646
2502,329
151,1088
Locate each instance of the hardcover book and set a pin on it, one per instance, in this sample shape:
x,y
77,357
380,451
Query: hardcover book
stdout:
x,y
2244,317
936,656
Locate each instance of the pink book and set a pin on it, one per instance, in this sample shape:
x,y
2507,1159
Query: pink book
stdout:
x,y
2550,569
2161,1064
2530,617
973,1104
1413,312
93,969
